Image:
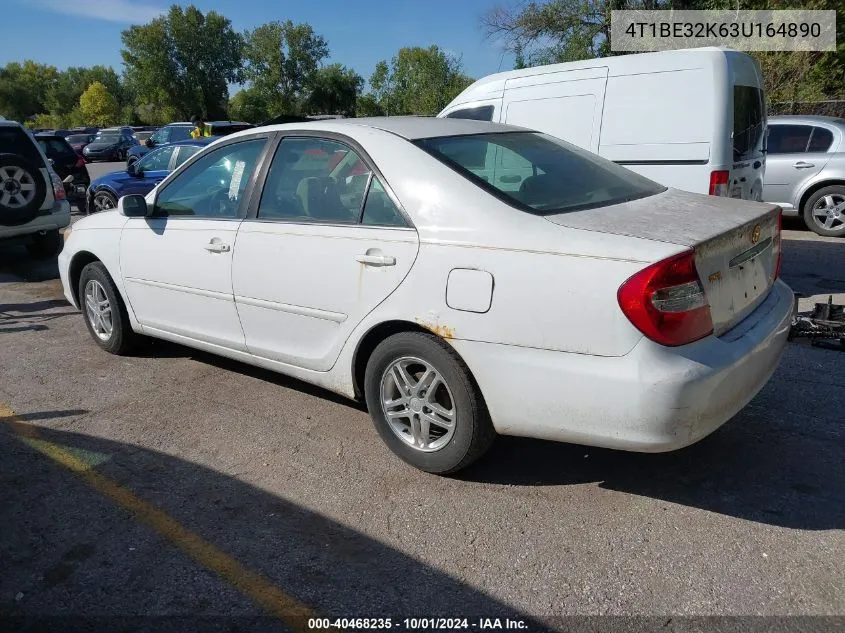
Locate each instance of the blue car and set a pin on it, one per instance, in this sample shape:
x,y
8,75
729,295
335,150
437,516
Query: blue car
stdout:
x,y
141,176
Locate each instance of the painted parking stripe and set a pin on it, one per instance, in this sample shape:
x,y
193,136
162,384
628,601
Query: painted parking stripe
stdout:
x,y
255,586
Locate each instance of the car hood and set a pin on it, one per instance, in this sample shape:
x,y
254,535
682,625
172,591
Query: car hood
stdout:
x,y
100,145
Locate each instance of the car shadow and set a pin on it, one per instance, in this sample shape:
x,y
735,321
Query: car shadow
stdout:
x,y
22,317
16,264
78,552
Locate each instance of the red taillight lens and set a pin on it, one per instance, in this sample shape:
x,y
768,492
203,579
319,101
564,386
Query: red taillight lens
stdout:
x,y
58,187
777,243
719,182
80,162
666,302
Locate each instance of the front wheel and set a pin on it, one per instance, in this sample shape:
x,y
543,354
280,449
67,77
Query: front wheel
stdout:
x,y
104,310
824,211
103,201
425,404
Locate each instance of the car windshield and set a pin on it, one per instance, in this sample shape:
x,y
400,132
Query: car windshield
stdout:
x,y
539,173
107,137
78,138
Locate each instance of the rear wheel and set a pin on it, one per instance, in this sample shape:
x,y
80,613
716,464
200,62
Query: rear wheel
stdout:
x,y
103,201
45,244
824,211
104,310
425,404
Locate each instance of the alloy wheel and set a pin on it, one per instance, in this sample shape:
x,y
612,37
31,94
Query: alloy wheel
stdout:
x,y
99,310
17,187
829,211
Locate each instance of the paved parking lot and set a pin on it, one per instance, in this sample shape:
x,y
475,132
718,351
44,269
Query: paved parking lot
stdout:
x,y
175,482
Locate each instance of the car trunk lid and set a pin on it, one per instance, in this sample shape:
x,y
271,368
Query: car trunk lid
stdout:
x,y
736,242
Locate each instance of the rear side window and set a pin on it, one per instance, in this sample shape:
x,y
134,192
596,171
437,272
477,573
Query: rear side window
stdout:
x,y
821,140
178,134
56,148
748,120
481,113
538,173
788,139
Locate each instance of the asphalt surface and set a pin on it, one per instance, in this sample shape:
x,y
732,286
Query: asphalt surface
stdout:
x,y
259,483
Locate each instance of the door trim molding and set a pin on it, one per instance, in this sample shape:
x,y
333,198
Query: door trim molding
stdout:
x,y
326,315
223,296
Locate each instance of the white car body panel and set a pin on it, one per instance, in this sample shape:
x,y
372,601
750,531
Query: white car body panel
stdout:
x,y
551,351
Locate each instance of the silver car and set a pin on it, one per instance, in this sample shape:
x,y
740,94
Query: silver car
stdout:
x,y
805,170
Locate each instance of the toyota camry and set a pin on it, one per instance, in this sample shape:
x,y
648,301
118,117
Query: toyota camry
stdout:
x,y
463,278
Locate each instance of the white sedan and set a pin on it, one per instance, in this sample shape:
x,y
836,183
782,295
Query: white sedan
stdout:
x,y
463,278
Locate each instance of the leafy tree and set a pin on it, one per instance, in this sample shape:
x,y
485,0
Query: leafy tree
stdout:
x,y
24,88
368,105
63,95
281,59
418,81
334,90
249,105
184,61
98,107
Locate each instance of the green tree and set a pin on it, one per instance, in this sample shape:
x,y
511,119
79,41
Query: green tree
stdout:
x,y
24,89
63,95
368,105
334,90
184,61
249,105
418,81
281,59
98,107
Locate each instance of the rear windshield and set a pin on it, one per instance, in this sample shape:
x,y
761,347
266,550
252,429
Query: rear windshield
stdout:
x,y
539,173
748,121
108,137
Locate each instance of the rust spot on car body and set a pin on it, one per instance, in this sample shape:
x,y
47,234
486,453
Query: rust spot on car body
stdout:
x,y
443,331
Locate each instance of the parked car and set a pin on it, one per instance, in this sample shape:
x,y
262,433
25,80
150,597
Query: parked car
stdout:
x,y
69,165
110,144
689,119
33,203
584,304
805,170
142,136
80,141
174,132
141,176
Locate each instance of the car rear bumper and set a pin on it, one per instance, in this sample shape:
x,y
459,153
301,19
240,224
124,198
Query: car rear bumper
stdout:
x,y
58,219
653,399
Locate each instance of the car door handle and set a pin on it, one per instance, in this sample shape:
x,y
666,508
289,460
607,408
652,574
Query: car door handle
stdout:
x,y
376,260
217,247
802,165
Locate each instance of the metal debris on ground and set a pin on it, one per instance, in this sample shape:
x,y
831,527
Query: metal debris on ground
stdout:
x,y
824,327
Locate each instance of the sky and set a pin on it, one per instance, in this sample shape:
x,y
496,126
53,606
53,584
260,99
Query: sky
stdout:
x,y
66,33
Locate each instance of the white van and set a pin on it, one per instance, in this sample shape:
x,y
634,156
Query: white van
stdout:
x,y
691,119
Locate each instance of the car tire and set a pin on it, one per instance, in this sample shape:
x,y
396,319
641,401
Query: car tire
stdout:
x,y
103,201
104,311
451,442
22,190
48,244
824,211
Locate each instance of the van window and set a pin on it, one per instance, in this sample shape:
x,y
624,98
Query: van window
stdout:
x,y
788,139
748,120
545,175
481,113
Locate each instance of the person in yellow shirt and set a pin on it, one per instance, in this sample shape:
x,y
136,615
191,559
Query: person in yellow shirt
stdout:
x,y
200,128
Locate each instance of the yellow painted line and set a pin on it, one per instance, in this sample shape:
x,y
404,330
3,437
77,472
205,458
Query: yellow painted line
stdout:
x,y
253,585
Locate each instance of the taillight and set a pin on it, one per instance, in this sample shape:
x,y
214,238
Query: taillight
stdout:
x,y
58,187
719,182
666,301
80,162
777,244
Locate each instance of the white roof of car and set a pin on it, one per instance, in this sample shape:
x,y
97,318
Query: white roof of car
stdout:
x,y
408,127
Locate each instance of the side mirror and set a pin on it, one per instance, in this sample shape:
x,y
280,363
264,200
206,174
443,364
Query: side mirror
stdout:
x,y
134,206
135,169
150,142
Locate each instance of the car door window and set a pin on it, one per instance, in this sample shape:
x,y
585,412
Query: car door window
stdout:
x,y
314,180
788,139
179,134
821,140
214,185
379,209
161,136
185,152
157,160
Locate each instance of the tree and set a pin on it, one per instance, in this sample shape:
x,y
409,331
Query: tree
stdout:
x,y
249,105
368,105
184,61
98,107
281,59
63,95
334,90
418,81
24,88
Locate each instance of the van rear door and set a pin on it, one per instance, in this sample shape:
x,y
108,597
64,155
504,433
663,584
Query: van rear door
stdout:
x,y
745,178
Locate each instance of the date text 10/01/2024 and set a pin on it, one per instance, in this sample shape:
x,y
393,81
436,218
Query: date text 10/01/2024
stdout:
x,y
434,624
